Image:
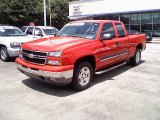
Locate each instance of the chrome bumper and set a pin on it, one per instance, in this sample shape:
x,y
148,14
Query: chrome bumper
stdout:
x,y
13,52
63,77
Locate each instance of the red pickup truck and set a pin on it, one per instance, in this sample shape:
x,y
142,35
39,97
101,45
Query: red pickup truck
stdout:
x,y
80,49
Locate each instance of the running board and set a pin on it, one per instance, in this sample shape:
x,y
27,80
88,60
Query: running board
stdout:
x,y
110,68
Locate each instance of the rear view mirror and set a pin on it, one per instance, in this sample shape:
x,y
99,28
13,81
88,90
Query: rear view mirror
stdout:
x,y
106,36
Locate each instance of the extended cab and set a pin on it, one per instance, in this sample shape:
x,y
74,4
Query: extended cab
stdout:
x,y
81,49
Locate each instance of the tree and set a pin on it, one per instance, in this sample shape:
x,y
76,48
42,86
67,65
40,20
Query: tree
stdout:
x,y
21,12
59,12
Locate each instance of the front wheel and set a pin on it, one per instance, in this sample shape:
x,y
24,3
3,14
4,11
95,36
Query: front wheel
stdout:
x,y
4,54
135,60
82,76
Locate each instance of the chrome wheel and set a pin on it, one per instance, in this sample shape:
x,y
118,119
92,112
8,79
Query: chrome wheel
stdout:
x,y
138,57
84,76
135,60
3,54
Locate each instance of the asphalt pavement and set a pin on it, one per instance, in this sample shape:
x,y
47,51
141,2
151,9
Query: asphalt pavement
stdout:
x,y
125,93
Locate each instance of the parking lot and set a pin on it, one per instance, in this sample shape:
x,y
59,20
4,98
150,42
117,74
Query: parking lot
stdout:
x,y
125,93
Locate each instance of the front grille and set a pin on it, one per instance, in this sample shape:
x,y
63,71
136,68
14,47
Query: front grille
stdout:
x,y
36,57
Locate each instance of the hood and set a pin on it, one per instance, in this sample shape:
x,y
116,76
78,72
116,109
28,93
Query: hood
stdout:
x,y
20,39
55,44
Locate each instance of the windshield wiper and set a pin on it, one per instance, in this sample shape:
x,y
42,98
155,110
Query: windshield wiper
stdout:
x,y
75,36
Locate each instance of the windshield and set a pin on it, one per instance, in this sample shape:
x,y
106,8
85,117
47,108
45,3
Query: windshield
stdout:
x,y
84,29
11,32
50,31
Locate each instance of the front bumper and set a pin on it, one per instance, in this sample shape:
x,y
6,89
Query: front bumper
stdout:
x,y
13,52
57,78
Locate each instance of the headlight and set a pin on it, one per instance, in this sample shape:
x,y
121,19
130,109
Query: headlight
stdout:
x,y
15,44
55,54
53,62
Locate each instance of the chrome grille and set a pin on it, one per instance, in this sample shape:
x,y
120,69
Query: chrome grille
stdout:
x,y
36,57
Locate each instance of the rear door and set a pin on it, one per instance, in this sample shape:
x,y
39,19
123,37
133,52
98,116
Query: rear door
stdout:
x,y
115,49
122,42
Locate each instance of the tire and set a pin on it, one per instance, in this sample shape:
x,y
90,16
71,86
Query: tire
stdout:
x,y
82,76
135,60
4,54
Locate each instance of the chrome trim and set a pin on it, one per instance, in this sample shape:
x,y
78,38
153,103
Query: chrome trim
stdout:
x,y
34,56
64,74
35,51
113,57
119,65
33,62
26,54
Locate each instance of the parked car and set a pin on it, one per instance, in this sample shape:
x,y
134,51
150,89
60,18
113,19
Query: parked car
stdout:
x,y
40,31
80,49
155,33
148,36
10,40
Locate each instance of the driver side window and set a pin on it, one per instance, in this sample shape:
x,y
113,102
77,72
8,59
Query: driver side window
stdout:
x,y
108,29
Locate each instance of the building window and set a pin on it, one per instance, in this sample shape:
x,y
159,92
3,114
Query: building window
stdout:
x,y
96,18
135,27
146,27
125,19
156,18
135,18
104,18
156,26
146,18
113,17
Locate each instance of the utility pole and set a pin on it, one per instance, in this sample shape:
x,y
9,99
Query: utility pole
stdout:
x,y
44,6
50,19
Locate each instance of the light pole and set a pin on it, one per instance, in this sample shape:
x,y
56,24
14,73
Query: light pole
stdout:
x,y
44,6
50,13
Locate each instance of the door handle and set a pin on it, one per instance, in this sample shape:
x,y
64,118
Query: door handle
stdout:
x,y
116,43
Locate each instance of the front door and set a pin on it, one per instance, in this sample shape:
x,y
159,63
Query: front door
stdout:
x,y
113,50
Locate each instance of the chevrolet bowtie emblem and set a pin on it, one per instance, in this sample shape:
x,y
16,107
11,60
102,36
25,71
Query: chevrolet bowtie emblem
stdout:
x,y
30,56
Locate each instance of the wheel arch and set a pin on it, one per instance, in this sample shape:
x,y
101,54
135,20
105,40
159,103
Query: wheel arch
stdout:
x,y
2,45
88,58
140,46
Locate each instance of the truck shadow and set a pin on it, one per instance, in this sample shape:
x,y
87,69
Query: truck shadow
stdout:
x,y
67,90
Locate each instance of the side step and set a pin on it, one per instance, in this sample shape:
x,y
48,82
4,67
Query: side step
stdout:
x,y
110,68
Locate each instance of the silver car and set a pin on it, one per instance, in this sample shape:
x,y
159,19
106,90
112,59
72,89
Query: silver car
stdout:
x,y
10,40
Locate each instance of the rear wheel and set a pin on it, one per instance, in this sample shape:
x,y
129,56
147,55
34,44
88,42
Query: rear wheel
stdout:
x,y
4,54
83,75
135,60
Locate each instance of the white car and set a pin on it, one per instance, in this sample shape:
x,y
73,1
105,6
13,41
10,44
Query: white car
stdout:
x,y
40,31
10,40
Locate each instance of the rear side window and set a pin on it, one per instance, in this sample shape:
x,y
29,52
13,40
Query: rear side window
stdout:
x,y
38,31
23,29
30,30
120,30
108,29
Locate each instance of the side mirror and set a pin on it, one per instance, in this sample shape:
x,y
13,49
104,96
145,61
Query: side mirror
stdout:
x,y
106,36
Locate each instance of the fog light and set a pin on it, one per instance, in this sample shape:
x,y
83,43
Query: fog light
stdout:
x,y
53,62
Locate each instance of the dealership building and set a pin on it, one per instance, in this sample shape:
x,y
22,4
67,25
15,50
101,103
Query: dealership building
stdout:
x,y
140,15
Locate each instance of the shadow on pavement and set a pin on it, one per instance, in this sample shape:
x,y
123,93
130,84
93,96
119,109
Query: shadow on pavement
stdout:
x,y
67,90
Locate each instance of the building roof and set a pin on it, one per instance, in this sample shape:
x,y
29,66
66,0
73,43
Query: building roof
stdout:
x,y
96,7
